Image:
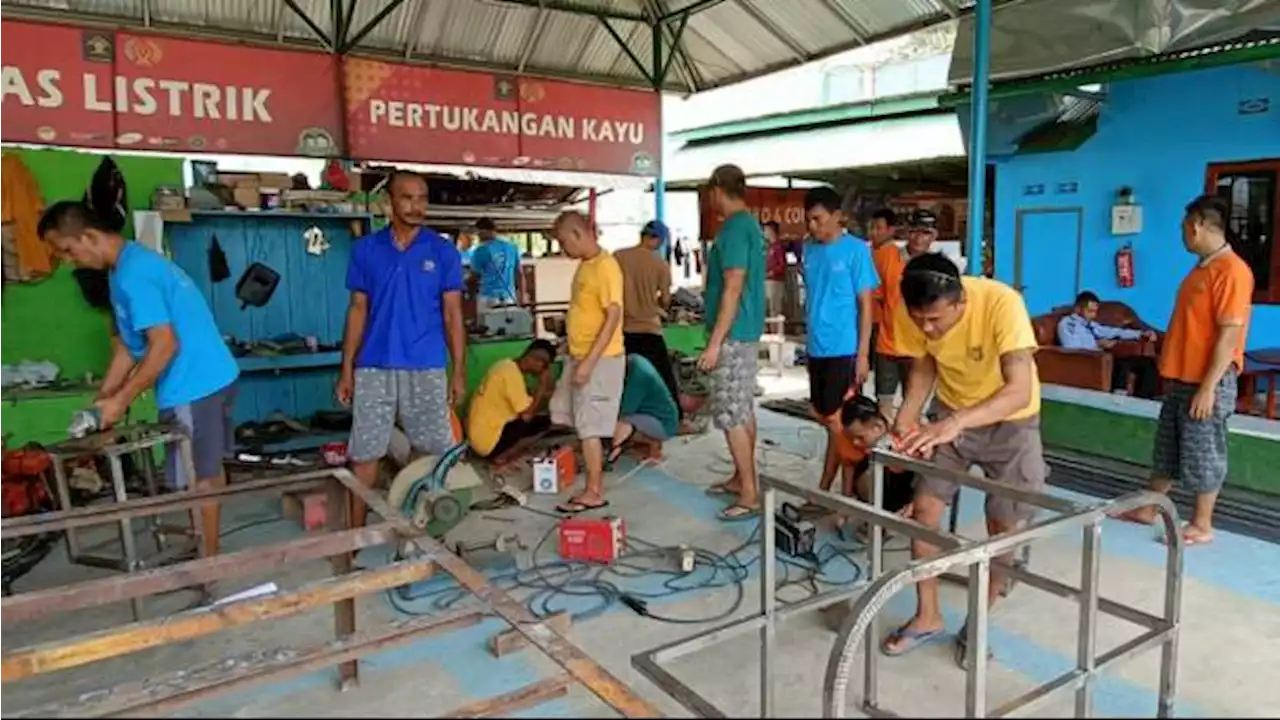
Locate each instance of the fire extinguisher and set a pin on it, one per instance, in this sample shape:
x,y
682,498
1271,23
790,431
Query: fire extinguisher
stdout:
x,y
1124,267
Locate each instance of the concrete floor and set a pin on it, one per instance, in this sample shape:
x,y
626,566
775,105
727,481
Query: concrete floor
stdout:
x,y
1231,615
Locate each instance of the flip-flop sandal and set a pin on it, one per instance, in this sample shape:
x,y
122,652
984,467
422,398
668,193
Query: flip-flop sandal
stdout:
x,y
738,513
905,640
575,507
962,648
617,450
720,489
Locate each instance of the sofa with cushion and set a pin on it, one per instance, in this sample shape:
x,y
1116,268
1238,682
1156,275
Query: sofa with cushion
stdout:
x,y
1088,369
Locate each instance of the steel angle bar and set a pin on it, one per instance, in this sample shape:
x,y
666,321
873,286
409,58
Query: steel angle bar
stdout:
x,y
603,684
955,553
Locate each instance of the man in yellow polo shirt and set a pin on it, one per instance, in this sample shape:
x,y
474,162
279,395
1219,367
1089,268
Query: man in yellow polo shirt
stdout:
x,y
504,419
590,388
972,339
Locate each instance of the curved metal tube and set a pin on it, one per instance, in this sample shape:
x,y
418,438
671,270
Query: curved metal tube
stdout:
x,y
869,604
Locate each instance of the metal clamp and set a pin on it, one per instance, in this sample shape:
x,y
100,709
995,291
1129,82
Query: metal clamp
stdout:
x,y
860,627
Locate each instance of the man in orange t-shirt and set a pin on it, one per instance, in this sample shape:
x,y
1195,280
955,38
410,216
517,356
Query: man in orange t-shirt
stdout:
x,y
891,370
1202,356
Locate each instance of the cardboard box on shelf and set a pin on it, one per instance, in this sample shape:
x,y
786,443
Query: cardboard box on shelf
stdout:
x,y
237,179
277,181
248,198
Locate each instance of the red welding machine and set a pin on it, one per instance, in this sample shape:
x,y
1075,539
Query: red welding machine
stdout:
x,y
597,540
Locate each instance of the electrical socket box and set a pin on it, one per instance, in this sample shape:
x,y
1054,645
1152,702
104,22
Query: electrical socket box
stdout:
x,y
1126,219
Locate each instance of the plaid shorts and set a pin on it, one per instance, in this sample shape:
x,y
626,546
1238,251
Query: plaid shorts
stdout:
x,y
1194,452
733,385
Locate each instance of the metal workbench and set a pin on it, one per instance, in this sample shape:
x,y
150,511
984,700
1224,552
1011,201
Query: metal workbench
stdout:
x,y
860,627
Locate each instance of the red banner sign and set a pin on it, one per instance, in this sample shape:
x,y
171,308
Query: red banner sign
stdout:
x,y
99,88
781,205
430,115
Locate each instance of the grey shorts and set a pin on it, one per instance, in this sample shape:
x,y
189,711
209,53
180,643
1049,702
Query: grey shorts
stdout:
x,y
419,399
1008,452
733,385
209,425
591,409
891,374
1193,452
647,425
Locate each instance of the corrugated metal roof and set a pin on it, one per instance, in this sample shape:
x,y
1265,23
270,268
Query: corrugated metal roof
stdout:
x,y
723,41
866,144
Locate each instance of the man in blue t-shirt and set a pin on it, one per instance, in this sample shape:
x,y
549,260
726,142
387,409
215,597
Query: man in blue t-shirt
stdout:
x,y
406,308
496,262
839,277
165,337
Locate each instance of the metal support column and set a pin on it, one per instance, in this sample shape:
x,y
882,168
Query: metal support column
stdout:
x,y
768,603
659,77
978,134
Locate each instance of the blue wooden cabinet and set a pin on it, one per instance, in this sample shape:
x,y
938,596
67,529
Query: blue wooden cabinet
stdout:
x,y
311,299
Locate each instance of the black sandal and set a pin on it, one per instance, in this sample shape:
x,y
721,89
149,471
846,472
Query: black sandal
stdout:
x,y
618,448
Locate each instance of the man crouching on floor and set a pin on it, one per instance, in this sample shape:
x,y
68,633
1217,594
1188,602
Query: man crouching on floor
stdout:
x,y
973,337
862,428
648,415
504,420
590,388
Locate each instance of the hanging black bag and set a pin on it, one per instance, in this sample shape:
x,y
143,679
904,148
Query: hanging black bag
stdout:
x,y
219,270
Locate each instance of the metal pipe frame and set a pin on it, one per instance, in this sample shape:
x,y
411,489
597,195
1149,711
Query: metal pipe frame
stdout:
x,y
158,696
860,627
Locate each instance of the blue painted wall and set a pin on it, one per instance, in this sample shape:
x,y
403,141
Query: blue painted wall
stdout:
x,y
1156,136
311,298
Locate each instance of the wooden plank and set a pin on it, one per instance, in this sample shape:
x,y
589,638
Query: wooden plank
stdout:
x,y
169,693
504,705
612,691
115,642
344,612
67,598
158,505
510,641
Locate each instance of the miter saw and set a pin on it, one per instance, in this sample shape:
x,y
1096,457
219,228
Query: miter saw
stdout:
x,y
435,491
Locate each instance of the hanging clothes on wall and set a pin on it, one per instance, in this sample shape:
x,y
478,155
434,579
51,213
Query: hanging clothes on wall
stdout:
x,y
26,257
107,195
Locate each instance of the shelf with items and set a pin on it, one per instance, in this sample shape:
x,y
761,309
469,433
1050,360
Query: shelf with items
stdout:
x,y
310,252
277,363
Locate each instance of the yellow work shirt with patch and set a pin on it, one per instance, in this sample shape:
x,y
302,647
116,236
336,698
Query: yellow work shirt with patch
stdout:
x,y
501,397
995,322
597,284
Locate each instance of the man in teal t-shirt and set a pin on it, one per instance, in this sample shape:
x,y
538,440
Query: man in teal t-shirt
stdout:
x,y
734,301
648,412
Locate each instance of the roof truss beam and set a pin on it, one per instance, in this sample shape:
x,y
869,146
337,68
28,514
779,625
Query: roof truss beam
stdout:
x,y
321,35
672,40
688,10
352,41
577,9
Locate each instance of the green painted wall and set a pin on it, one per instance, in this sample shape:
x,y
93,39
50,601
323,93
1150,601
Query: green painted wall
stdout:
x,y
50,320
1253,460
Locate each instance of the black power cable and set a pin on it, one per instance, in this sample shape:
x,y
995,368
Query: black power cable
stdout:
x,y
546,584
